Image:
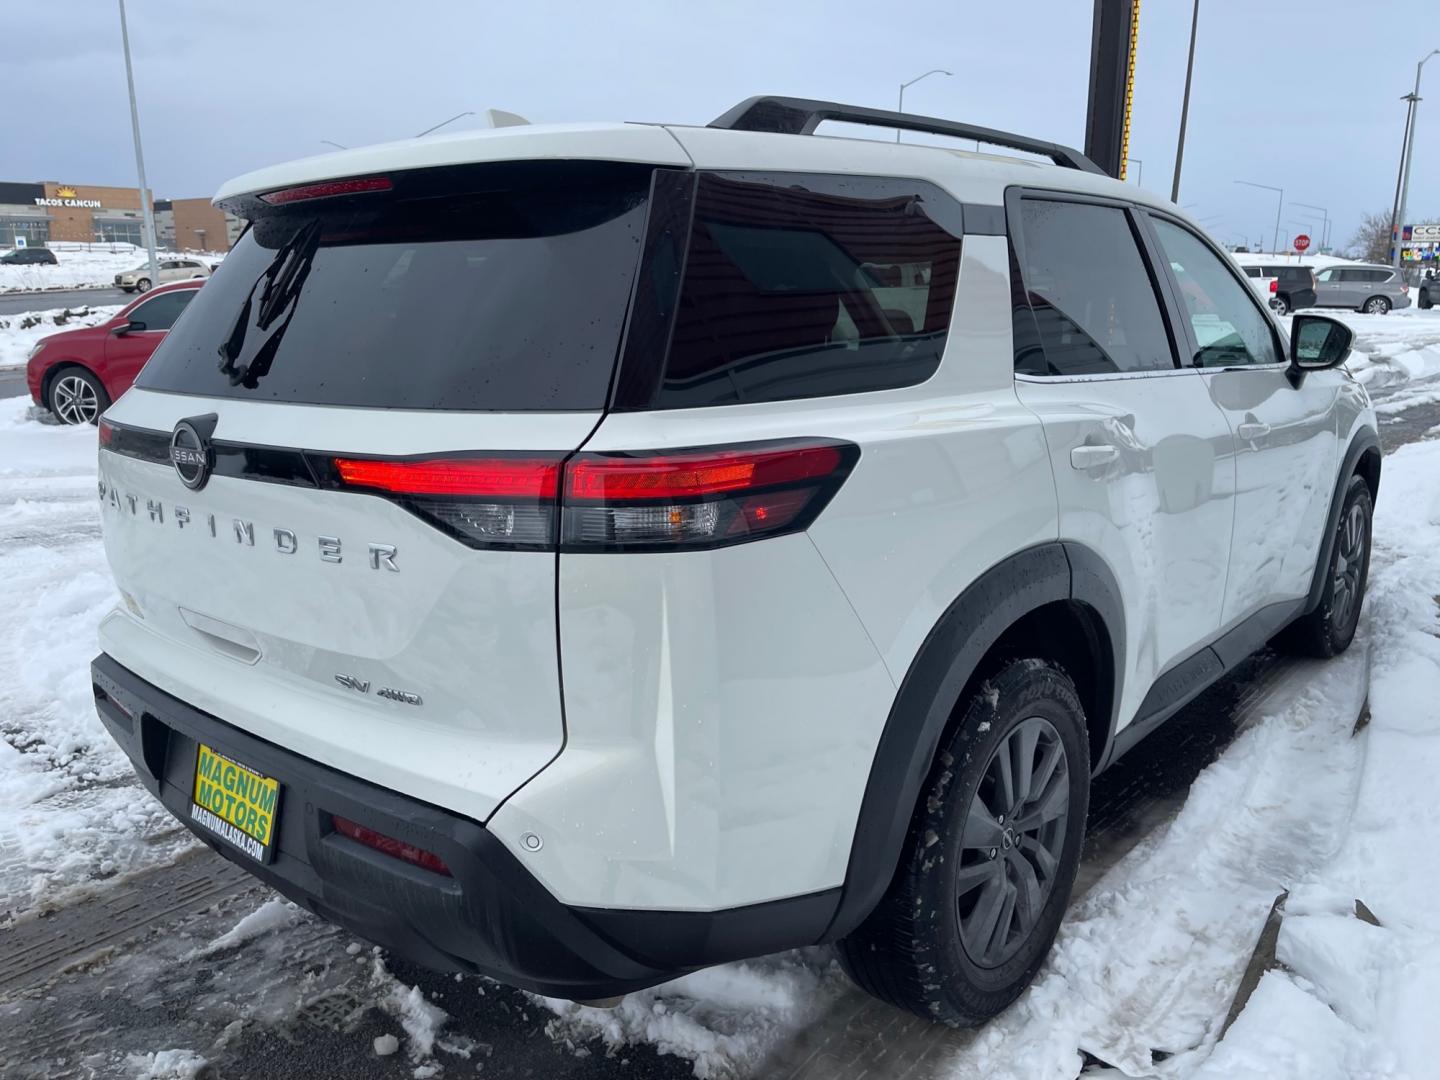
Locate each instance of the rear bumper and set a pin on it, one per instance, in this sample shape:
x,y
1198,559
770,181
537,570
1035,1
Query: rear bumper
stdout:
x,y
492,916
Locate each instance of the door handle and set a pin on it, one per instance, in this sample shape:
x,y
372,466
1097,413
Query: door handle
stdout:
x,y
1088,457
1252,429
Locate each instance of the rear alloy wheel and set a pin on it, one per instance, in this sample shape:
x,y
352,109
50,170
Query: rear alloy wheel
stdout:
x,y
76,397
1376,305
1281,306
990,858
143,285
1328,630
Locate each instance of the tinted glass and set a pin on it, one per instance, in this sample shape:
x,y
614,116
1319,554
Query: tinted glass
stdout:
x,y
1094,304
161,312
799,287
499,287
1254,272
1229,328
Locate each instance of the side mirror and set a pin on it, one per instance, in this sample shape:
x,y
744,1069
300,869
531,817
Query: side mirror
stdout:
x,y
1317,343
131,327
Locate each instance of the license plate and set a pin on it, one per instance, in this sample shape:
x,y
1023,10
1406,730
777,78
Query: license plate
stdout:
x,y
235,803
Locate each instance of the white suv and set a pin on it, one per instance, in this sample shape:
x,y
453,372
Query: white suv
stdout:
x,y
585,554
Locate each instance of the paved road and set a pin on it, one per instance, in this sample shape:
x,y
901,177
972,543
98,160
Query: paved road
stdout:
x,y
11,303
12,384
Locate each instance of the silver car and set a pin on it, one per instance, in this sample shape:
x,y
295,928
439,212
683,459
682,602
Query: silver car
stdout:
x,y
171,269
1368,288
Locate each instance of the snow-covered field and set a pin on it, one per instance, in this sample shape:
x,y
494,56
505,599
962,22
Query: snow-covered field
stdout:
x,y
77,268
19,332
1147,962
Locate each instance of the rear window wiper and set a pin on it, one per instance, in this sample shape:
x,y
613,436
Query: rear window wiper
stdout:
x,y
283,280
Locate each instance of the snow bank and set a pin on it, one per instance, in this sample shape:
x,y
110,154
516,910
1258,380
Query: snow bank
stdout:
x,y
19,332
77,268
166,1065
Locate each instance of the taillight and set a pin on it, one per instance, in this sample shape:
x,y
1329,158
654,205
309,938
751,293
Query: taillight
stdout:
x,y
388,845
107,432
358,186
661,500
490,501
1274,285
698,498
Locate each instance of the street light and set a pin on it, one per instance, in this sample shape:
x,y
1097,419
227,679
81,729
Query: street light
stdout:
x,y
1139,172
1397,223
1275,244
442,123
1325,223
147,210
900,107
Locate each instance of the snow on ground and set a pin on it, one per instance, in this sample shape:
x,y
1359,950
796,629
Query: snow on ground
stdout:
x,y
70,812
18,333
78,268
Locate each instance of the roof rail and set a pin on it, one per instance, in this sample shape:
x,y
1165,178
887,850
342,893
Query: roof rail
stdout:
x,y
801,116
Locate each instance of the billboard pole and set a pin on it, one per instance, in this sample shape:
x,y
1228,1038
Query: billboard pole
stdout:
x,y
1112,74
147,210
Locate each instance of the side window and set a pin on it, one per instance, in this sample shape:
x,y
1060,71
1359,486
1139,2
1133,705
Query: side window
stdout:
x,y
1095,307
1230,329
161,312
798,287
1380,276
1252,271
1326,275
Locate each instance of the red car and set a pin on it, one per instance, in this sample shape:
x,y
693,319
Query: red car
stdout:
x,y
76,374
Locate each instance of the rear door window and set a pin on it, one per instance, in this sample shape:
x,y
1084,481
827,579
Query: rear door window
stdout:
x,y
495,287
807,286
1095,307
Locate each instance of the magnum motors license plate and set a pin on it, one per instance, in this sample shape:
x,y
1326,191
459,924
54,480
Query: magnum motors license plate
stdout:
x,y
235,803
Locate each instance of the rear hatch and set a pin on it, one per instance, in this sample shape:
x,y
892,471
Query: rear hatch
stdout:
x,y
350,547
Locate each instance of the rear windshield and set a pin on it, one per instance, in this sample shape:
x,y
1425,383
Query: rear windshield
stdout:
x,y
499,287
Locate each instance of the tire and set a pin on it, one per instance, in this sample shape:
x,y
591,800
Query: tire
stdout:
x,y
925,948
1424,301
128,288
1376,305
1281,304
1330,628
76,396
143,285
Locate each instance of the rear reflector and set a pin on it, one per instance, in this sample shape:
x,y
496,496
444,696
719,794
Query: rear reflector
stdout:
x,y
326,190
659,500
388,845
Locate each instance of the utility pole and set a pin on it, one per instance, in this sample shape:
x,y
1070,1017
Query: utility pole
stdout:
x,y
147,210
1414,98
1185,103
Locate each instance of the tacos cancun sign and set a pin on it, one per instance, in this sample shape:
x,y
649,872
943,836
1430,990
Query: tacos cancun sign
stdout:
x,y
66,196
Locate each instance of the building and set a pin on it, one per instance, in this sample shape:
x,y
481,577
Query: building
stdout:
x,y
50,212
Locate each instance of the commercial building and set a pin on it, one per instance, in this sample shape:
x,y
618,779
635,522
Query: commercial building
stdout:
x,y
51,212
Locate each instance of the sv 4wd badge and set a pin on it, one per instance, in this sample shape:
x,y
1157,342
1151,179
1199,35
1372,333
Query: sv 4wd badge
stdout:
x,y
362,686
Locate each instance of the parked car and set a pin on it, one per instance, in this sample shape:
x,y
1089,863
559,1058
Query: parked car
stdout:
x,y
1374,290
28,256
584,555
1265,287
138,280
1295,282
76,374
1429,289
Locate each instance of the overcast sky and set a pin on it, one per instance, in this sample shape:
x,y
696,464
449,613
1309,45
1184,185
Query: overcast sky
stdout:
x,y
1302,96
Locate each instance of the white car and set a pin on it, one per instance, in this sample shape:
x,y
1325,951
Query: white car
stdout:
x,y
1265,287
586,554
172,269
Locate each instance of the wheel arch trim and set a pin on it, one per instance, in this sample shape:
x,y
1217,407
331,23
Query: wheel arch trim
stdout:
x,y
1362,458
947,659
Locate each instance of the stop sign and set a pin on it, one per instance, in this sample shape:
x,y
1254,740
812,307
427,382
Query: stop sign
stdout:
x,y
1302,242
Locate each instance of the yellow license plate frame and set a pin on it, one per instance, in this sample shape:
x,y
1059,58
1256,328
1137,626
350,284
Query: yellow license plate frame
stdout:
x,y
234,802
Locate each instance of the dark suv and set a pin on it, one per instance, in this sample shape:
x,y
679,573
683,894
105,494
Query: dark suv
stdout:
x,y
25,256
1296,286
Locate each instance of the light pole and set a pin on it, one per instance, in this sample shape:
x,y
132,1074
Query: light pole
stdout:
x,y
1185,103
1397,226
1275,244
146,209
1139,171
900,106
442,123
1325,222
